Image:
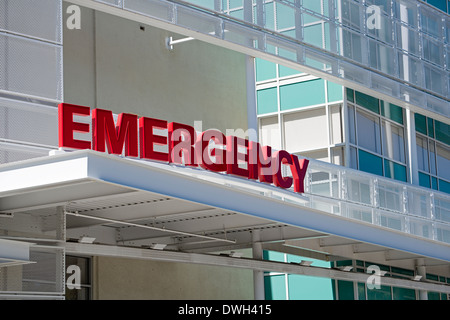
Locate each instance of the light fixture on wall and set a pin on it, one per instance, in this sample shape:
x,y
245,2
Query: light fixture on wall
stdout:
x,y
306,263
345,268
85,239
158,246
6,215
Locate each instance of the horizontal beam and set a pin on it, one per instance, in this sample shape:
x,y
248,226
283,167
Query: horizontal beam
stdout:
x,y
243,263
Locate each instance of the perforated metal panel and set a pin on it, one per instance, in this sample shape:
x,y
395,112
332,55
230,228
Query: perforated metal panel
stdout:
x,y
30,67
44,275
28,122
40,19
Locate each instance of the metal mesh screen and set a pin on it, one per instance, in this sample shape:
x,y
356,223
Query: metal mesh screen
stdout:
x,y
28,122
11,153
26,17
44,275
30,67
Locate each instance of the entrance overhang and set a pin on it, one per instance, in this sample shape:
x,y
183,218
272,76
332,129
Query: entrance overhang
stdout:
x,y
192,210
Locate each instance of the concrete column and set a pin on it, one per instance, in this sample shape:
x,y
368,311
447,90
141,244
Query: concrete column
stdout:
x,y
252,119
412,147
421,271
258,276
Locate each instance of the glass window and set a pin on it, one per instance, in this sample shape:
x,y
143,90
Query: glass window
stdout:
x,y
301,94
393,141
265,70
267,100
285,16
394,170
422,153
370,163
313,35
368,131
432,158
269,132
306,130
442,132
275,287
432,155
334,91
367,102
424,180
421,123
391,111
443,161
440,4
84,292
403,294
345,290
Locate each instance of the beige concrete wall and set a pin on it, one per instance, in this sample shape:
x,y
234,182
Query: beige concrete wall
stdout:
x,y
132,279
112,64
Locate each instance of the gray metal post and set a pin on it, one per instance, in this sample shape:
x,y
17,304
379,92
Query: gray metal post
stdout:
x,y
258,275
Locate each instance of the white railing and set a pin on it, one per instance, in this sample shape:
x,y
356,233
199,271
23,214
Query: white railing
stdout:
x,y
378,200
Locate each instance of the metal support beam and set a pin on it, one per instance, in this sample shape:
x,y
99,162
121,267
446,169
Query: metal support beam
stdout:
x,y
422,272
258,275
244,263
148,227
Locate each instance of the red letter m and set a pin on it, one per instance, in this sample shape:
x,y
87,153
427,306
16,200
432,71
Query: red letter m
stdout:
x,y
104,130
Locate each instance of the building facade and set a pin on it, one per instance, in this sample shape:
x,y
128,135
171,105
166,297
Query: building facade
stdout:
x,y
357,91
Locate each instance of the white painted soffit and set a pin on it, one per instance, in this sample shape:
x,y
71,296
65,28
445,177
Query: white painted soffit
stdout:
x,y
84,174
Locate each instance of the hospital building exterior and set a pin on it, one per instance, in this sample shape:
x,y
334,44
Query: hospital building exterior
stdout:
x,y
225,149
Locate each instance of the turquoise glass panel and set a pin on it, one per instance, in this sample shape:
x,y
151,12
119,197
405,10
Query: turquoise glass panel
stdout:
x,y
350,94
334,91
313,35
273,256
235,3
370,163
265,70
421,123
286,71
434,296
345,290
392,112
434,183
267,100
403,294
430,127
302,94
394,170
367,102
285,16
275,287
442,132
310,288
384,293
361,291
424,180
270,17
238,14
444,186
440,4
